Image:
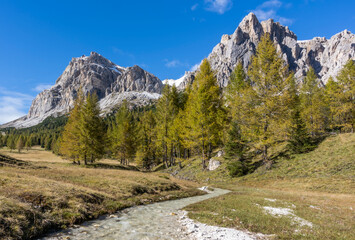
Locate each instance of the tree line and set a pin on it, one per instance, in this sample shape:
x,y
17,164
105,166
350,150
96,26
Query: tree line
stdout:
x,y
261,106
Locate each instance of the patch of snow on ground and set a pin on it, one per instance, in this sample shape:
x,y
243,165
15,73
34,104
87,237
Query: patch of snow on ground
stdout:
x,y
205,188
270,199
200,231
315,207
287,212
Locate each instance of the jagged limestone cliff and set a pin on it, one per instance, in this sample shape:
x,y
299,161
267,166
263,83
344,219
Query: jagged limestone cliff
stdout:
x,y
93,74
326,56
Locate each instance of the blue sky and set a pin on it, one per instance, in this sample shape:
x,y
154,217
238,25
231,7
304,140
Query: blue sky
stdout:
x,y
165,37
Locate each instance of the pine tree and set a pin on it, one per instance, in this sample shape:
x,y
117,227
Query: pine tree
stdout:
x,y
299,141
346,111
264,118
205,112
235,146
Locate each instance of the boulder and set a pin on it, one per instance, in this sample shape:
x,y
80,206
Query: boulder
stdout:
x,y
213,164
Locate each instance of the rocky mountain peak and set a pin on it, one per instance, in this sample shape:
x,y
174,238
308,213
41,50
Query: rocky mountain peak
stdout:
x,y
326,56
92,74
250,26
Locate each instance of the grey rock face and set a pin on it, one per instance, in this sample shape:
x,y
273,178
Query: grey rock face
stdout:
x,y
93,74
327,57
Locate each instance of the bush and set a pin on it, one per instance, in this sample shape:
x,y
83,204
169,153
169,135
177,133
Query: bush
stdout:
x,y
238,168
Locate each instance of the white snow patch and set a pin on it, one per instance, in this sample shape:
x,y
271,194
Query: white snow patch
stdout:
x,y
278,212
315,207
176,82
112,100
205,188
270,199
202,231
303,41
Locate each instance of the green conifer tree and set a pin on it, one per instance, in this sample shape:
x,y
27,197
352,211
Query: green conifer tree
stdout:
x,y
28,144
69,143
205,112
92,130
346,110
266,111
124,135
313,104
146,151
20,143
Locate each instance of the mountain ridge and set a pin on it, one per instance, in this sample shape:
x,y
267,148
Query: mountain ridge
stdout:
x,y
326,56
92,74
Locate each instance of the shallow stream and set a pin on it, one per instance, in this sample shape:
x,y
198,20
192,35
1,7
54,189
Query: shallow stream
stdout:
x,y
147,222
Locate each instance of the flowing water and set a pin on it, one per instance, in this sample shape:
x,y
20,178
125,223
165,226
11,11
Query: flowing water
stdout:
x,y
148,222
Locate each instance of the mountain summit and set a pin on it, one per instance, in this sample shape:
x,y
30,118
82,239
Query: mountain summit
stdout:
x,y
94,74
327,57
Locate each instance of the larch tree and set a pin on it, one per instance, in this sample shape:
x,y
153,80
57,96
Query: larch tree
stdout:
x,y
69,142
28,144
313,104
124,135
266,114
167,110
11,143
92,130
346,111
333,98
20,143
205,112
146,151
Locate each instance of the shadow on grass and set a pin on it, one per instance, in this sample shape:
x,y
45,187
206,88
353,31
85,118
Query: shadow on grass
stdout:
x,y
111,166
7,161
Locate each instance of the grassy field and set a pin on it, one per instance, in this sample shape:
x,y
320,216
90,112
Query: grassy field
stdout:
x,y
48,192
317,188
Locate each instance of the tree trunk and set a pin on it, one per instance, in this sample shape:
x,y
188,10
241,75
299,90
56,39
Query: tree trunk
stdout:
x,y
165,159
209,151
265,158
203,156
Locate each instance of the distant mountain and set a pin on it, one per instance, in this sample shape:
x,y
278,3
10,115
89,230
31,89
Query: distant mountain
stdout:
x,y
113,83
94,74
327,57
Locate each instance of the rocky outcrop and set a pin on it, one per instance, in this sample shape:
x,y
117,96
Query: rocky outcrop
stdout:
x,y
213,164
92,74
326,56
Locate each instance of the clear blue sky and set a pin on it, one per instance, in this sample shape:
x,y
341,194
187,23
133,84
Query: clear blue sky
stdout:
x,y
39,38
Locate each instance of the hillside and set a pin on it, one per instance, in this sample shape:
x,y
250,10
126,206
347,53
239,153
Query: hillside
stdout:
x,y
329,168
306,196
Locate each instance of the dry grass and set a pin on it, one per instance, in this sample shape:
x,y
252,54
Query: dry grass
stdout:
x,y
34,200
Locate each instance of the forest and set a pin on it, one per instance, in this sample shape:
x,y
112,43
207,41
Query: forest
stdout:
x,y
262,106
